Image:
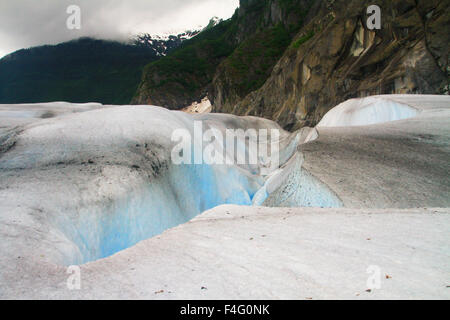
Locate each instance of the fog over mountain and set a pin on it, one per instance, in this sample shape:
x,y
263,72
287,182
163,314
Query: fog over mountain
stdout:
x,y
26,23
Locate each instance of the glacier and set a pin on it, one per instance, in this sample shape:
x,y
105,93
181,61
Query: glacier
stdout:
x,y
95,186
99,179
367,111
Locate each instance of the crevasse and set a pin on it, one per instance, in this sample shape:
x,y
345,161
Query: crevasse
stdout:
x,y
106,180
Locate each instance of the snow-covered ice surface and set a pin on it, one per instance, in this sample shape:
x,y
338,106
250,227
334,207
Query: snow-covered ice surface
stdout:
x,y
78,187
20,114
85,185
397,164
367,111
97,182
265,253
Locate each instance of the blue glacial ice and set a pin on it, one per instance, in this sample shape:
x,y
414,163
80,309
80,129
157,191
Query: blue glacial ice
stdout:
x,y
106,180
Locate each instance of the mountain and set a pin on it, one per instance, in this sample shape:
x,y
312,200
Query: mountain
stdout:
x,y
244,48
82,70
293,60
214,21
163,45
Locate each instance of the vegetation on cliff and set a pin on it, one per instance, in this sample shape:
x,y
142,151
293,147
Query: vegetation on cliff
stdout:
x,y
84,70
184,73
238,53
292,60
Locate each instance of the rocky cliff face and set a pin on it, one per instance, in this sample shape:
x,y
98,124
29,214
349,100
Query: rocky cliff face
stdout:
x,y
335,57
251,63
291,61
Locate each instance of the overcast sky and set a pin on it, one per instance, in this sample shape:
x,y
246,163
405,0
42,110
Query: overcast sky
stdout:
x,y
26,23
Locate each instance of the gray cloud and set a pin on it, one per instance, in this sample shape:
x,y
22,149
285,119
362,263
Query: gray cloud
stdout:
x,y
26,23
